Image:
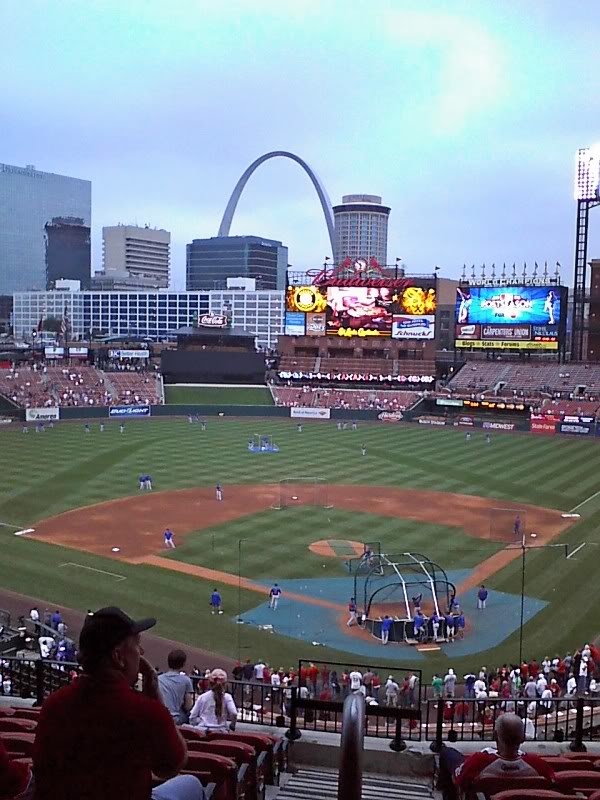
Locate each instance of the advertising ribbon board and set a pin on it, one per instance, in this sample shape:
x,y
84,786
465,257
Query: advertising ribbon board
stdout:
x,y
129,411
544,425
42,414
579,430
129,353
390,416
310,413
499,426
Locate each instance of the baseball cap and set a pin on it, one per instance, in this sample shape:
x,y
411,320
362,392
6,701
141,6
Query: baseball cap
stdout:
x,y
108,627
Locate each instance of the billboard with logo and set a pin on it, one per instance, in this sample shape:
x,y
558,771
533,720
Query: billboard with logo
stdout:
x,y
510,317
359,311
409,327
129,411
294,323
544,424
42,414
316,324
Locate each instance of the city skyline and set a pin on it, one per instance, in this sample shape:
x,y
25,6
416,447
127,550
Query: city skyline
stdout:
x,y
465,118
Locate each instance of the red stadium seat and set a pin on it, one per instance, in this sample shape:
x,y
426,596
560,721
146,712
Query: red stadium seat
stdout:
x,y
560,764
192,734
220,770
20,744
578,779
594,796
489,786
14,724
262,743
532,794
27,713
245,757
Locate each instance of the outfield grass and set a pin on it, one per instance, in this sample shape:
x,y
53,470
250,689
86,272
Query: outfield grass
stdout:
x,y
218,395
44,474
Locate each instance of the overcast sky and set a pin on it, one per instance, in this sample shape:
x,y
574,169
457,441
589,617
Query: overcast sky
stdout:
x,y
464,116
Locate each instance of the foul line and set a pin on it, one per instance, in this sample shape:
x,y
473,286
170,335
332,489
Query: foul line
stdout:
x,y
93,569
579,505
577,549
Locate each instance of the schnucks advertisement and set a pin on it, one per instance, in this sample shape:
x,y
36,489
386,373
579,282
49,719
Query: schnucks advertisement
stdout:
x,y
544,424
409,327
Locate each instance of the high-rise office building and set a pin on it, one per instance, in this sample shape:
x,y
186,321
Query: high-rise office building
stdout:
x,y
67,251
361,226
31,200
143,253
209,262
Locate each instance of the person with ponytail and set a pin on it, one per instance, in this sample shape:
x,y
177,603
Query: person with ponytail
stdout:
x,y
215,709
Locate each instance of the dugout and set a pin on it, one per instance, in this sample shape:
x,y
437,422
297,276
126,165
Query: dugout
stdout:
x,y
387,585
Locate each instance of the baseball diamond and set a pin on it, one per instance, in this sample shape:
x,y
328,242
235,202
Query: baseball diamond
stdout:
x,y
416,490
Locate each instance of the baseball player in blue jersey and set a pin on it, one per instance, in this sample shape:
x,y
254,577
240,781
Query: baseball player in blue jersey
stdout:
x,y
274,596
215,602
169,541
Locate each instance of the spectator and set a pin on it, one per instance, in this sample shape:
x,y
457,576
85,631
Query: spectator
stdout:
x,y
46,645
356,682
56,619
450,683
176,688
507,760
392,690
469,680
215,710
437,686
259,671
34,616
97,737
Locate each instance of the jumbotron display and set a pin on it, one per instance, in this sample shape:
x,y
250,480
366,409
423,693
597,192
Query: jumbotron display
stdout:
x,y
510,317
363,311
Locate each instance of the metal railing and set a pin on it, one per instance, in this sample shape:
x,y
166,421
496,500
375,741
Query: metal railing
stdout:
x,y
352,748
574,719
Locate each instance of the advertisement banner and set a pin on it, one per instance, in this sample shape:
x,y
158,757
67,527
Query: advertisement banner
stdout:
x,y
579,430
503,345
407,327
468,331
316,324
536,305
544,425
307,299
499,426
390,416
310,413
129,354
54,352
449,401
294,323
42,414
464,422
506,332
579,419
129,411
431,421
78,352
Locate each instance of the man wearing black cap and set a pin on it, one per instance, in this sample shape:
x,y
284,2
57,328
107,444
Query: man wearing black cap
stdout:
x,y
98,738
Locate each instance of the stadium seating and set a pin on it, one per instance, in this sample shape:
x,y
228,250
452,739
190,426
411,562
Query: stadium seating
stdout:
x,y
131,388
527,379
18,744
320,397
26,387
78,386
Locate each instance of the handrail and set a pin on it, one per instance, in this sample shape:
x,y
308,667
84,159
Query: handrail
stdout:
x,y
351,749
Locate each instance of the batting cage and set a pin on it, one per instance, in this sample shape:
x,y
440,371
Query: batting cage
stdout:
x,y
398,586
508,525
302,492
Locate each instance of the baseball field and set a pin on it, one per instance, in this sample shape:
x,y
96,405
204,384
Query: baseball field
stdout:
x,y
98,540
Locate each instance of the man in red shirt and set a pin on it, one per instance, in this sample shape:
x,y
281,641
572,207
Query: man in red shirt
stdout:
x,y
458,774
98,738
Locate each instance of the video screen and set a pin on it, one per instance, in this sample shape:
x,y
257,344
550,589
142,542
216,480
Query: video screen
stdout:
x,y
359,311
307,299
417,301
534,305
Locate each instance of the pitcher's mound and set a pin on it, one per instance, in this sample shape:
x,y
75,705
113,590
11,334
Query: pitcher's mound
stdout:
x,y
337,548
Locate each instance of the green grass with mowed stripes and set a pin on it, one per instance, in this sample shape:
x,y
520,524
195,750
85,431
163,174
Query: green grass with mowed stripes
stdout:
x,y
45,474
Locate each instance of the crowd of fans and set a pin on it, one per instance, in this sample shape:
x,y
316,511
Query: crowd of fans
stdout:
x,y
351,399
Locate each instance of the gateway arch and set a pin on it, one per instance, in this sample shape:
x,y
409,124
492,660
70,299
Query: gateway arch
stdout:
x,y
225,225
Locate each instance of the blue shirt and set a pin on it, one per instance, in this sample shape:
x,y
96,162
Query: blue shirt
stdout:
x,y
387,624
419,621
215,599
482,594
449,620
460,621
275,591
168,535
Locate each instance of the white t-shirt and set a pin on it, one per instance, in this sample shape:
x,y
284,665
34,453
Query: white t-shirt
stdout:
x,y
583,669
479,686
34,615
355,680
571,686
259,671
46,644
541,684
203,713
275,680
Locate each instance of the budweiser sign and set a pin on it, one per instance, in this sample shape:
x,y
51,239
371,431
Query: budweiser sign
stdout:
x,y
212,321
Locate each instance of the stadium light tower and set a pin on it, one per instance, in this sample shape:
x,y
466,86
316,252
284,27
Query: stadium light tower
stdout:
x,y
587,185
